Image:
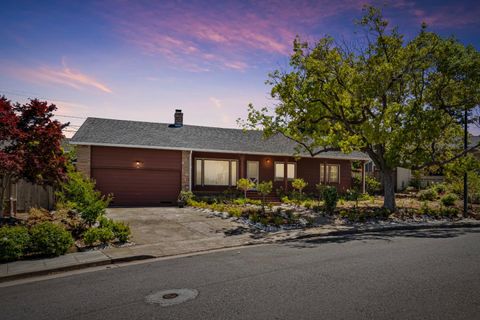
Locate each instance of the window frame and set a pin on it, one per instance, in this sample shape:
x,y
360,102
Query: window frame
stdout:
x,y
283,165
202,172
326,173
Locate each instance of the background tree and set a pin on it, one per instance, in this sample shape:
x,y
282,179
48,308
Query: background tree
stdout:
x,y
30,145
398,101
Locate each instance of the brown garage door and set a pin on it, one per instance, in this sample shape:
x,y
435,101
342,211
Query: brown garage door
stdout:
x,y
156,181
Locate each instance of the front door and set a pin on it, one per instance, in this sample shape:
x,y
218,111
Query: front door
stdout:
x,y
252,172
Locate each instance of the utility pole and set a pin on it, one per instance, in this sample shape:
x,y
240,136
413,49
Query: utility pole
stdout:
x,y
465,176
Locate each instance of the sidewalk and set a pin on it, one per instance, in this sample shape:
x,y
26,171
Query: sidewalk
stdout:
x,y
78,260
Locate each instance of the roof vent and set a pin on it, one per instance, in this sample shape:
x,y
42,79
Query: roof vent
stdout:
x,y
178,119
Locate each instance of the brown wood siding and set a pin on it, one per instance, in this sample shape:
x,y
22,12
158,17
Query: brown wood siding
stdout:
x,y
155,182
307,169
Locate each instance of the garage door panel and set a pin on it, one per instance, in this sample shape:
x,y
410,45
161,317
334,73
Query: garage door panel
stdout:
x,y
138,187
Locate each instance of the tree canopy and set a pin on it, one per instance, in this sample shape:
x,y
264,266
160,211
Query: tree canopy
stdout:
x,y
30,145
399,101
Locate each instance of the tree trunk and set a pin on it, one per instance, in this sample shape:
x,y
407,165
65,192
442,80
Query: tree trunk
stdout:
x,y
389,189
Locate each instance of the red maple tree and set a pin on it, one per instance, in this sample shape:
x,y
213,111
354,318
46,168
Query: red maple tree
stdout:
x,y
30,145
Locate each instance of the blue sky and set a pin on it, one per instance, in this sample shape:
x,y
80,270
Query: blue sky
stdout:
x,y
140,60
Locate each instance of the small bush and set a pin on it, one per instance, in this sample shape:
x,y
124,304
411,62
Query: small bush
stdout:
x,y
38,215
265,188
330,195
449,199
440,188
428,194
79,193
254,202
240,202
235,212
186,196
94,235
50,239
13,242
299,184
121,231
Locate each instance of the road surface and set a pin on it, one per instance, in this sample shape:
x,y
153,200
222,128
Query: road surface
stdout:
x,y
431,274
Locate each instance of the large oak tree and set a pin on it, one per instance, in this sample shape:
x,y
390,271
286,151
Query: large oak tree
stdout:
x,y
398,101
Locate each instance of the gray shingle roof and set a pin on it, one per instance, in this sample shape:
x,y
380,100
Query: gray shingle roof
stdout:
x,y
122,133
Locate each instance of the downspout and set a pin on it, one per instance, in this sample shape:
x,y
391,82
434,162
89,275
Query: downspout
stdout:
x,y
190,169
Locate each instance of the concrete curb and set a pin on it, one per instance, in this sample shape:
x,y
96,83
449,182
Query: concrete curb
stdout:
x,y
73,267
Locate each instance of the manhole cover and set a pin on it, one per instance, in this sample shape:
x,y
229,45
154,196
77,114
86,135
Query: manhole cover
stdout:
x,y
167,298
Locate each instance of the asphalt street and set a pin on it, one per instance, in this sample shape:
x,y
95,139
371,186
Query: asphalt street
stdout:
x,y
431,274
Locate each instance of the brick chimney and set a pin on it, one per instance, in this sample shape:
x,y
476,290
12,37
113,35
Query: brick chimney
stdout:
x,y
178,118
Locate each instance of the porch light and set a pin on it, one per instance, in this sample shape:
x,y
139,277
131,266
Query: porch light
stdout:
x,y
138,164
268,161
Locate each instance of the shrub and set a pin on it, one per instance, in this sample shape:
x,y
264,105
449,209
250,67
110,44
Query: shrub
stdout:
x,y
121,231
320,188
245,185
13,242
449,199
440,188
427,194
265,188
299,184
235,212
254,202
50,239
285,200
94,235
80,194
240,202
38,215
186,196
372,185
330,196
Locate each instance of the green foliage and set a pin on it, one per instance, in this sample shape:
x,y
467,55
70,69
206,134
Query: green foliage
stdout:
x,y
427,194
449,199
393,99
13,242
330,196
50,239
245,185
94,235
235,212
299,184
320,187
186,196
440,188
79,193
372,185
265,188
121,231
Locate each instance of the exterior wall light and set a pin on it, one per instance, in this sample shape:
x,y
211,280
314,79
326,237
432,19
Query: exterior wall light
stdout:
x,y
138,164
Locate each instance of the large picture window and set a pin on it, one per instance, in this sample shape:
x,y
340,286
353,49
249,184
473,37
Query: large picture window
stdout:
x,y
332,175
280,170
209,172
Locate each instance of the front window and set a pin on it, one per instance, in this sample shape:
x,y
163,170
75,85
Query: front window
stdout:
x,y
280,170
332,174
215,172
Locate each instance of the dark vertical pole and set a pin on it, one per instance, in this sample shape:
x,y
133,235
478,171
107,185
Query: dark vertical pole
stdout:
x,y
465,176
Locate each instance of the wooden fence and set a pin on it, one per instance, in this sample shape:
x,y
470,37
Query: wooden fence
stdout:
x,y
28,195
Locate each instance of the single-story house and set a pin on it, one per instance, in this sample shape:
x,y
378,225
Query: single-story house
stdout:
x,y
147,164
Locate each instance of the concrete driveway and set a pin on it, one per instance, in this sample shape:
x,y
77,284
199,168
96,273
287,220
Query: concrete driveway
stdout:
x,y
169,230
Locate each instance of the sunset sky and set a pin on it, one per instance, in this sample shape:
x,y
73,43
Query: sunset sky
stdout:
x,y
140,60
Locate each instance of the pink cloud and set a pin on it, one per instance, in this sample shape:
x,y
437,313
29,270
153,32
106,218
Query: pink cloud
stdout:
x,y
448,16
225,35
63,76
